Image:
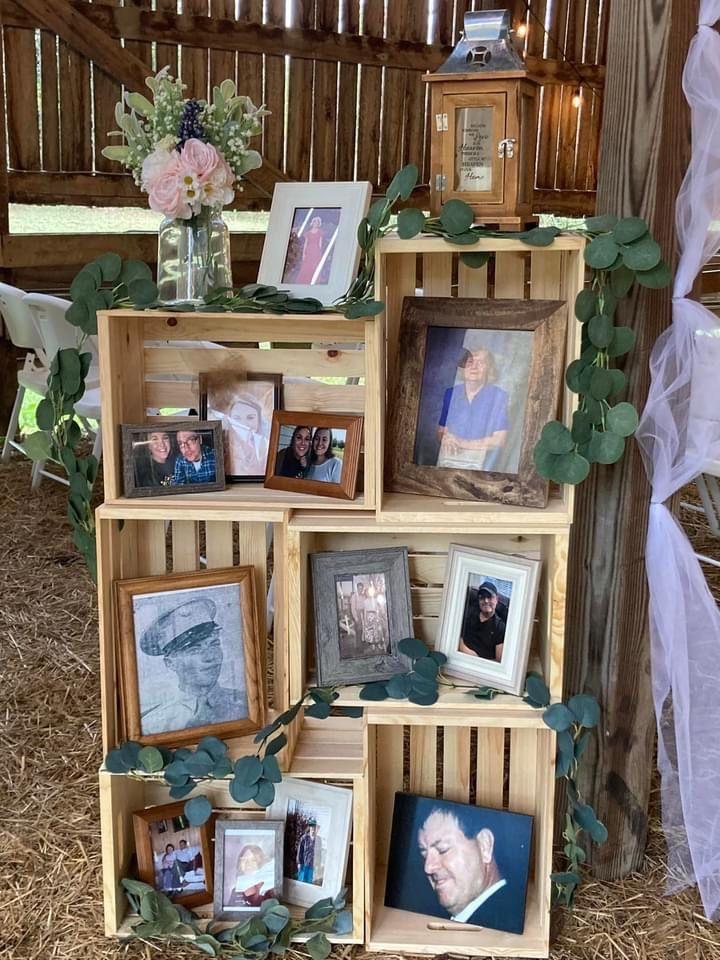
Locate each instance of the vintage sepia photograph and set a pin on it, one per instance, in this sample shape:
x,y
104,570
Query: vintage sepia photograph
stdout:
x,y
311,245
362,612
314,453
362,616
244,405
460,862
477,381
190,655
487,616
317,821
180,457
248,866
473,399
173,856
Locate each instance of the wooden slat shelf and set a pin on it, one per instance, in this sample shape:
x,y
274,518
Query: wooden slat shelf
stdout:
x,y
329,749
392,243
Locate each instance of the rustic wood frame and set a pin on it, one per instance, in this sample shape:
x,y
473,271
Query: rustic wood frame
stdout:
x,y
172,426
546,319
125,590
143,848
221,828
345,490
393,563
274,378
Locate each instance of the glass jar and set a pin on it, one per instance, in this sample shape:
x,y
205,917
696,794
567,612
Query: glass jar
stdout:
x,y
193,257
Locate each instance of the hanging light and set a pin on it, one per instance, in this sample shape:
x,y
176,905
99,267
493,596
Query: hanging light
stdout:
x,y
577,98
521,31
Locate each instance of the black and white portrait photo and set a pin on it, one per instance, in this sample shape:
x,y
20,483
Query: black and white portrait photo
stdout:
x,y
190,655
362,616
473,398
460,862
191,666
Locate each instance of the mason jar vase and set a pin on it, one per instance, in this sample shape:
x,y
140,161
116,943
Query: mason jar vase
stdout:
x,y
193,257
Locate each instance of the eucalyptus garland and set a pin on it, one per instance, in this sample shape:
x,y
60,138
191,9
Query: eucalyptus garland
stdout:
x,y
267,934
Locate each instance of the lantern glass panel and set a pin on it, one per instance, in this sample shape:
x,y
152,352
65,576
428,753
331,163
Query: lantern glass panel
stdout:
x,y
473,149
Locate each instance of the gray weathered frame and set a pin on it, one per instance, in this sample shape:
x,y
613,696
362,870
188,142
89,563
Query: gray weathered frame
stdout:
x,y
127,431
391,561
221,827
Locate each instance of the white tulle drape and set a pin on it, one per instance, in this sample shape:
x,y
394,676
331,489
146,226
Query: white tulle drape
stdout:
x,y
679,434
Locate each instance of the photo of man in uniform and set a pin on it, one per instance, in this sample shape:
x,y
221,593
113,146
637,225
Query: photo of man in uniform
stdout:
x,y
188,638
483,630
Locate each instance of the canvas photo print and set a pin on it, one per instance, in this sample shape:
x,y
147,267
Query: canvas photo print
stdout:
x,y
362,612
190,655
311,245
174,856
317,820
459,862
244,406
248,866
487,616
175,457
473,398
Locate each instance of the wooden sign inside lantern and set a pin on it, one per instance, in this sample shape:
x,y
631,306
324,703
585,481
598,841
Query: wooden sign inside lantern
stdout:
x,y
484,124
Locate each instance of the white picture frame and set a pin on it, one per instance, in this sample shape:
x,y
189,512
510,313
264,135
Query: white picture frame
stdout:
x,y
516,581
331,807
325,267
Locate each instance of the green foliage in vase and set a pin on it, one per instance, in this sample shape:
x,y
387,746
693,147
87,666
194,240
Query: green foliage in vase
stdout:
x,y
266,934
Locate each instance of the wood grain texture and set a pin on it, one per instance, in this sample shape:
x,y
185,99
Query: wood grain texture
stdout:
x,y
300,82
274,98
106,93
249,65
368,153
325,108
194,63
644,152
222,63
21,91
347,99
167,53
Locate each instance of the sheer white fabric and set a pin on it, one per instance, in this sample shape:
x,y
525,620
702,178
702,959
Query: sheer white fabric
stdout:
x,y
679,434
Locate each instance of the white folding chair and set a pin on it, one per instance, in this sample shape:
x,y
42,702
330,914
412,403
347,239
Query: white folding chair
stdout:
x,y
24,334
58,334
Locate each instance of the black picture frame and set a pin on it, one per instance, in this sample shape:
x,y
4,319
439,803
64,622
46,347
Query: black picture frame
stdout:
x,y
337,567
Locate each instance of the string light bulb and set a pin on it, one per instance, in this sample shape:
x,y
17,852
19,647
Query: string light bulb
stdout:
x,y
577,98
521,31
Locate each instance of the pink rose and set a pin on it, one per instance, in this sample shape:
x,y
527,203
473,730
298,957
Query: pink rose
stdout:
x,y
155,165
217,190
167,196
199,158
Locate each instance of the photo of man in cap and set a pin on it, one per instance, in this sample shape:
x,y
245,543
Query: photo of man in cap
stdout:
x,y
483,630
188,638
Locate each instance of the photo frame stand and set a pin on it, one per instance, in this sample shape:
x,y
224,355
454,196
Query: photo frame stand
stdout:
x,y
230,527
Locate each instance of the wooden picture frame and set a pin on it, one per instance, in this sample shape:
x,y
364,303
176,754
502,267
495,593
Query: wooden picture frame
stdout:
x,y
200,595
142,477
147,868
422,454
226,380
296,243
342,629
296,801
344,488
226,830
509,585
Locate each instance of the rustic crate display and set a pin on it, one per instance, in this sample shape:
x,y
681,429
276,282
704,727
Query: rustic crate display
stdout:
x,y
331,751
497,753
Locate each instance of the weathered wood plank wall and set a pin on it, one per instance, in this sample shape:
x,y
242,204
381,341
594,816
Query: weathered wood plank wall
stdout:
x,y
342,78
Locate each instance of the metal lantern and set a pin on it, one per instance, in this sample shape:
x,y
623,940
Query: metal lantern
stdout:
x,y
484,124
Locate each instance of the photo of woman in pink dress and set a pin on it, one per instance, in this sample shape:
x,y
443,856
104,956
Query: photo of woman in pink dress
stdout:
x,y
311,245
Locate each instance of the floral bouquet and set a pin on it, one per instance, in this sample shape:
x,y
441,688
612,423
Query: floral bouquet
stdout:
x,y
186,154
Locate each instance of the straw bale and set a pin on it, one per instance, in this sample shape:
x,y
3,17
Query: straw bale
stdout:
x,y
50,882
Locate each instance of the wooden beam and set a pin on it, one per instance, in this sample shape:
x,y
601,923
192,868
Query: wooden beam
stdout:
x,y
644,152
560,71
570,203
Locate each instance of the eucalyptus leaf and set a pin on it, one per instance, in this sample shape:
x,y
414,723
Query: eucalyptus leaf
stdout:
x,y
377,212
413,648
266,793
586,305
600,330
601,383
565,752
242,792
410,223
45,414
423,699
438,657
115,763
213,746
582,427
318,946
142,292
248,770
321,711
110,265
151,760
130,752
657,278
84,284
571,468
556,438
558,717
398,687
475,260
629,229
223,768
621,281
642,255
176,773
572,375
586,709
618,382
540,236
601,224
403,183
276,744
606,447
601,252
200,763
485,693
566,878
622,342
622,419
271,769
456,217
180,790
364,308
536,690
426,667
134,270
198,811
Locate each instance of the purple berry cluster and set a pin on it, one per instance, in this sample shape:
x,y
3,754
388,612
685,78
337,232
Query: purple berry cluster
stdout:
x,y
190,126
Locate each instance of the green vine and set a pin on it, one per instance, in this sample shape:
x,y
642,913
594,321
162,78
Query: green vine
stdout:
x,y
266,934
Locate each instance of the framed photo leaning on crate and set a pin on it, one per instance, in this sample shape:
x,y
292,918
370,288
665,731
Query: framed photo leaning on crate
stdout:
x,y
244,404
317,820
315,453
487,615
362,612
311,247
477,382
248,866
189,656
179,456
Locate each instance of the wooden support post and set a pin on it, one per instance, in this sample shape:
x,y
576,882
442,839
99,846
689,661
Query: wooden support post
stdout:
x,y
644,152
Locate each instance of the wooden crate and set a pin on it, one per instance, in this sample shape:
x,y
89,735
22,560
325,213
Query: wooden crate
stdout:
x,y
494,762
331,751
141,369
428,553
129,547
430,267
